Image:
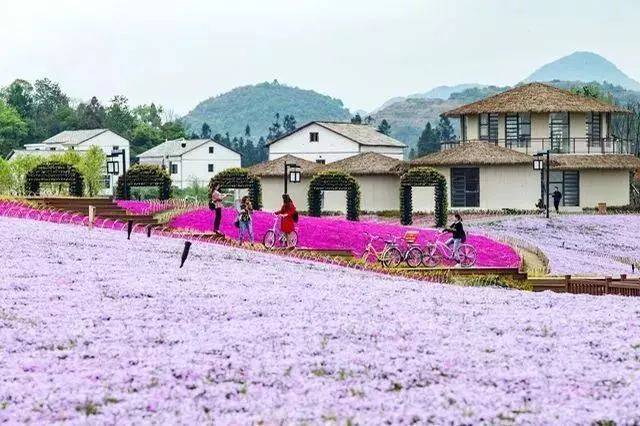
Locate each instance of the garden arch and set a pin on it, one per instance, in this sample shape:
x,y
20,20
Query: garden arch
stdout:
x,y
334,181
144,175
423,176
237,178
55,172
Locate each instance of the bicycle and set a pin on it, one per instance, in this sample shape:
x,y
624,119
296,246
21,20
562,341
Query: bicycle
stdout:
x,y
274,236
434,253
391,254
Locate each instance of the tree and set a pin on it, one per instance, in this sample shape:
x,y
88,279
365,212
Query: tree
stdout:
x,y
445,130
428,141
289,123
369,120
119,118
12,129
92,166
412,154
173,130
384,127
356,119
275,130
51,111
91,115
19,95
149,115
247,132
145,137
205,131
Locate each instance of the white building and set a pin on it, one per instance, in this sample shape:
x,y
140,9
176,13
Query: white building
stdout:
x,y
191,161
325,142
81,141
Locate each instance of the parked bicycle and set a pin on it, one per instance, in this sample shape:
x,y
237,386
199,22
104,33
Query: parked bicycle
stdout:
x,y
274,237
392,254
433,254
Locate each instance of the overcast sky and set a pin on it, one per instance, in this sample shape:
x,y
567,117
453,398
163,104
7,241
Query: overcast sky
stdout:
x,y
178,53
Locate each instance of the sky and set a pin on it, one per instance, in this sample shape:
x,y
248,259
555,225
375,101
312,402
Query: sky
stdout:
x,y
178,53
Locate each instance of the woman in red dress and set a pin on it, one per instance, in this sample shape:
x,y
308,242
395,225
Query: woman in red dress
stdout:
x,y
287,213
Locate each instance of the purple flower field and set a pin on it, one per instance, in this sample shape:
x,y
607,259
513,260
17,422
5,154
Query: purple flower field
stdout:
x,y
578,244
97,329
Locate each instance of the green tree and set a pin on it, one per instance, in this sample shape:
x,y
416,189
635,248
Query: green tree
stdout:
x,y
19,95
356,119
92,165
369,120
428,141
289,123
275,130
91,115
173,130
149,115
205,132
445,129
145,137
247,132
384,127
119,117
12,129
51,111
6,181
19,168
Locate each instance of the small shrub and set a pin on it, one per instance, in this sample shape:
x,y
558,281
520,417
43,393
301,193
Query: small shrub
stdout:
x,y
491,280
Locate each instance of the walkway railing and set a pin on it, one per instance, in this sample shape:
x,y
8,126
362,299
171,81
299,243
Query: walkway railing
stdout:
x,y
612,145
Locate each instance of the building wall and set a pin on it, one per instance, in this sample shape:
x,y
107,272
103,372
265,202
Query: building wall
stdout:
x,y
578,125
330,147
604,186
472,127
273,187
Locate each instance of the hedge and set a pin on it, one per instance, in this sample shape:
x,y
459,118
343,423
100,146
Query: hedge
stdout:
x,y
54,172
334,181
144,175
423,176
238,178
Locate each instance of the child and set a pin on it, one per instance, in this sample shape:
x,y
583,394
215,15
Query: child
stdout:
x,y
245,222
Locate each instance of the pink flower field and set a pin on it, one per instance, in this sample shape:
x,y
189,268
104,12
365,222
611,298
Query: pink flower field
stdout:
x,y
338,233
95,329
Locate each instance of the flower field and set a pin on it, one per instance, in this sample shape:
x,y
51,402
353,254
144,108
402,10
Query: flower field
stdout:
x,y
338,233
146,207
578,244
97,329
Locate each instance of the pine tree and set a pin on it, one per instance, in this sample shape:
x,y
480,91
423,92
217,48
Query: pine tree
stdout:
x,y
205,132
428,141
384,127
356,119
289,123
445,130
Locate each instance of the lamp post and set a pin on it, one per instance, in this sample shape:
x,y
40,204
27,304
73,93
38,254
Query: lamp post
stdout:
x,y
543,166
113,167
292,176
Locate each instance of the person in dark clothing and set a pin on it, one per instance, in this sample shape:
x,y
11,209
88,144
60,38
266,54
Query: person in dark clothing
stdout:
x,y
557,196
216,200
458,236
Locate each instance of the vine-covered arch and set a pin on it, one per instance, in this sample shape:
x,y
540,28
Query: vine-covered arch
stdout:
x,y
238,178
334,181
144,175
423,176
55,172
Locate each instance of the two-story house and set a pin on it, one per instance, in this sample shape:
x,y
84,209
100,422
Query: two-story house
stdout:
x,y
191,161
325,142
491,165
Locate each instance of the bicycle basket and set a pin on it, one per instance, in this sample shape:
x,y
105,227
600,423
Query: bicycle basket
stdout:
x,y
411,236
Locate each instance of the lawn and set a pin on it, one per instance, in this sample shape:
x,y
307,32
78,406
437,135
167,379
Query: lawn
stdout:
x,y
578,244
97,329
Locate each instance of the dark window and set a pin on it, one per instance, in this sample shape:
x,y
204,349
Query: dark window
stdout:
x,y
210,167
106,181
517,129
488,127
568,183
210,150
52,149
594,127
465,187
559,131
314,137
321,161
174,168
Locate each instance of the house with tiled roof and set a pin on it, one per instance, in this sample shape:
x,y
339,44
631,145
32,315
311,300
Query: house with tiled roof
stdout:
x,y
191,161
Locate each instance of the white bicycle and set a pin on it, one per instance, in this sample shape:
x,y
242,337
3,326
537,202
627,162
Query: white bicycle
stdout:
x,y
275,238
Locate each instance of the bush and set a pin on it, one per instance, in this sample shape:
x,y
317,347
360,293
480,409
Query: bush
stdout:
x,y
334,181
423,176
238,178
55,172
141,175
491,280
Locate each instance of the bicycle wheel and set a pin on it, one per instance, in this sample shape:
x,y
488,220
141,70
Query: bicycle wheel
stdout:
x,y
269,239
431,256
392,257
413,257
467,255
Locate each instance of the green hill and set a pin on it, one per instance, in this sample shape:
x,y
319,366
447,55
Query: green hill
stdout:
x,y
256,105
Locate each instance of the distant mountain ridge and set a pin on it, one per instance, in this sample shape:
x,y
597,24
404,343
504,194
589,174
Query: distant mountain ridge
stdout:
x,y
256,105
583,66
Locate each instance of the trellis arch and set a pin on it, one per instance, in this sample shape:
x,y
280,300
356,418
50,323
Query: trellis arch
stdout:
x,y
144,175
334,181
55,172
238,178
423,176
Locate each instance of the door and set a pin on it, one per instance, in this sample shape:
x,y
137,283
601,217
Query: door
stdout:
x,y
568,183
559,131
465,187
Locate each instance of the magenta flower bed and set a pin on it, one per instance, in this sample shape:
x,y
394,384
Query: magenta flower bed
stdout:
x,y
144,207
336,233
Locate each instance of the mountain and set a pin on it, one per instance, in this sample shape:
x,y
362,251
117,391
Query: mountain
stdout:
x,y
583,66
443,92
256,105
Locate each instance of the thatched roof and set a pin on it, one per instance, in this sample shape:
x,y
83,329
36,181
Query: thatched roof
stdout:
x,y
474,153
595,162
276,167
362,134
535,97
366,163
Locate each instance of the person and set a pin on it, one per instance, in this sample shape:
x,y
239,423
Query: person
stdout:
x,y
458,236
245,222
540,206
287,213
557,196
216,200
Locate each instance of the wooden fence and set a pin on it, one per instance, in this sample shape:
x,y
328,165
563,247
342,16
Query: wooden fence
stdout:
x,y
622,286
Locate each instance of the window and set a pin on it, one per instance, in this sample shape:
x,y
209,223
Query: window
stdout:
x,y
465,187
210,150
559,131
568,183
210,168
321,161
106,181
52,149
594,127
115,147
174,168
488,127
314,137
517,130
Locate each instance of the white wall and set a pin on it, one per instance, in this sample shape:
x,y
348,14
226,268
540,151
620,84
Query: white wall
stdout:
x,y
389,151
604,186
273,187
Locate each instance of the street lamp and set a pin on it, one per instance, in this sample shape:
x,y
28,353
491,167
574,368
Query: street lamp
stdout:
x,y
293,176
115,167
542,164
